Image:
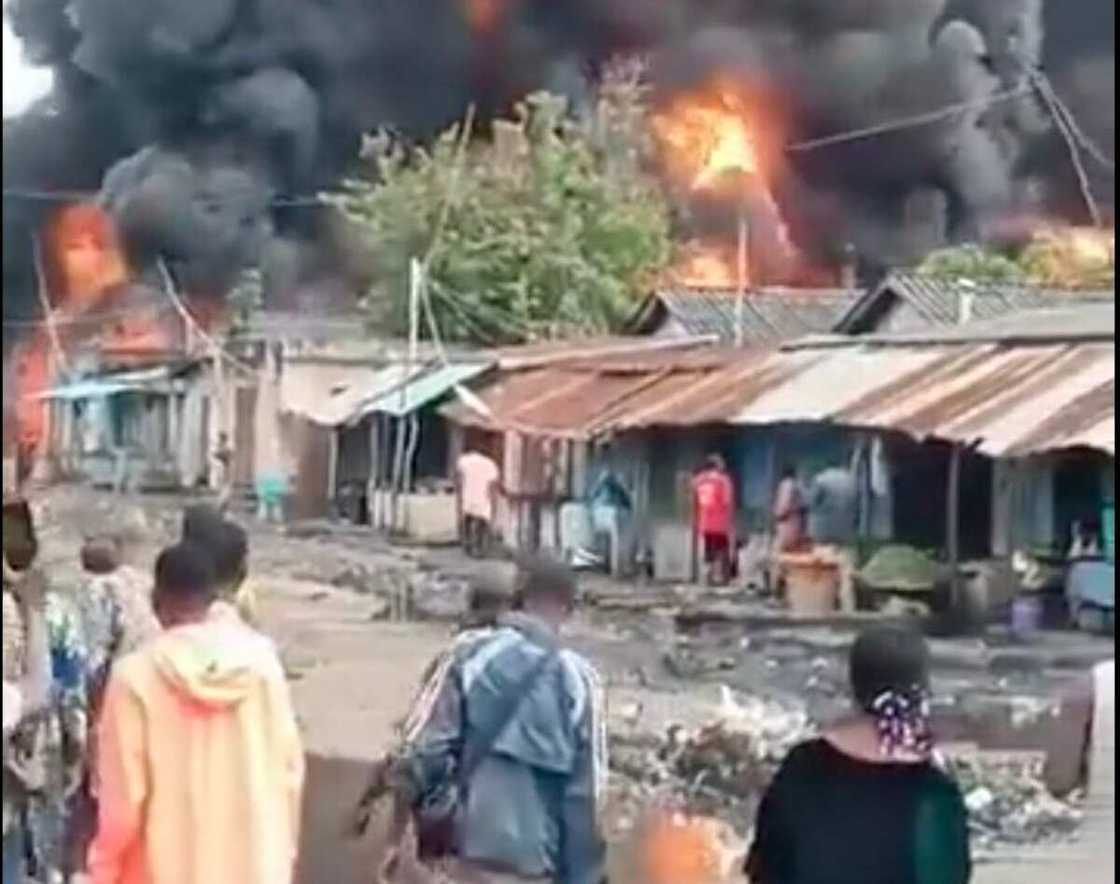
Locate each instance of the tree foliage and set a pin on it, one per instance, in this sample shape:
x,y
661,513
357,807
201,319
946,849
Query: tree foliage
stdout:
x,y
550,225
974,263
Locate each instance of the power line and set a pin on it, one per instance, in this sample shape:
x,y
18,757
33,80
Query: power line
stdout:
x,y
912,122
1046,93
181,309
1052,98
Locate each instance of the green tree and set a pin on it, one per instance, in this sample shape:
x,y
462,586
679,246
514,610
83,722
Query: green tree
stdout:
x,y
974,263
549,226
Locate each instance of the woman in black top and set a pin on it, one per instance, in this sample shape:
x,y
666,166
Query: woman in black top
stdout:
x,y
865,804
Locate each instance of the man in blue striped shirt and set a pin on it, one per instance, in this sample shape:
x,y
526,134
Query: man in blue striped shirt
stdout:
x,y
530,810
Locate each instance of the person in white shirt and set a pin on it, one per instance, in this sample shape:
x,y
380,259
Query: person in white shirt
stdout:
x,y
477,485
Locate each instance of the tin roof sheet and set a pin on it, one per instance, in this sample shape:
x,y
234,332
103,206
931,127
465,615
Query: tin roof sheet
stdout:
x,y
155,380
423,387
769,315
1006,400
342,396
939,301
990,396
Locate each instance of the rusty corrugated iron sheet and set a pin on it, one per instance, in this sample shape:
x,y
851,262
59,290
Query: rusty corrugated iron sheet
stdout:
x,y
563,401
1007,401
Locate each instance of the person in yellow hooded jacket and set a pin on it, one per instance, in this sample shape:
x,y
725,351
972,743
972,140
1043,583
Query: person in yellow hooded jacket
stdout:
x,y
200,760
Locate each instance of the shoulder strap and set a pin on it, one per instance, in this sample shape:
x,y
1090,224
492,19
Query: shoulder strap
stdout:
x,y
480,745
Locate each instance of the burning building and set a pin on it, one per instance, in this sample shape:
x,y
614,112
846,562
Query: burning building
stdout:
x,y
208,127
95,318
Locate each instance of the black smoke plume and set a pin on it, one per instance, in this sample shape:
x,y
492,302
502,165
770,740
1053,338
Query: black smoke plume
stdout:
x,y
206,124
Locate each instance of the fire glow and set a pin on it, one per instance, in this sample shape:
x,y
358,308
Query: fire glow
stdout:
x,y
706,135
485,16
701,265
711,143
83,274
1097,245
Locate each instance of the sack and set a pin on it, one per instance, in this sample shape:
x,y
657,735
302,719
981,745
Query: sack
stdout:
x,y
436,817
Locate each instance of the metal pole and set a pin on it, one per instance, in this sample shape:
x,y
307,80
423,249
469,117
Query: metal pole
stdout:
x,y
332,473
952,526
740,301
414,282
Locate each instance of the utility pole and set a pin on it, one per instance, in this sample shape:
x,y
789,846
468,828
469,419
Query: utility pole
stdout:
x,y
415,280
741,299
952,530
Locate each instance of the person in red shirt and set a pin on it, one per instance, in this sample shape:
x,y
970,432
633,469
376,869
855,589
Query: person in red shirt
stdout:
x,y
713,517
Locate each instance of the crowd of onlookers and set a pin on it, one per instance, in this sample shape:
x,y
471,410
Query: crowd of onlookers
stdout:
x,y
109,688
149,738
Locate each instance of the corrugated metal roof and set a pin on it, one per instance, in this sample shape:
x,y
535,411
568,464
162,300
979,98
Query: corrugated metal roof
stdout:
x,y
769,314
423,387
325,394
1005,400
1068,324
544,353
939,301
332,396
153,379
561,401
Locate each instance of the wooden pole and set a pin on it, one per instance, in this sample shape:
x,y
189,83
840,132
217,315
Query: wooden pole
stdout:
x,y
58,354
741,299
332,473
952,526
373,483
400,452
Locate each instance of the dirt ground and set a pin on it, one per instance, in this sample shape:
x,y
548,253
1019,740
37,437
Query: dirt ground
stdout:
x,y
353,673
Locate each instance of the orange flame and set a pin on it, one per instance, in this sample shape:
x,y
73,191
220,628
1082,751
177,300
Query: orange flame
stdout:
x,y
1093,244
686,850
83,256
706,266
32,376
1072,257
713,140
84,272
708,134
484,16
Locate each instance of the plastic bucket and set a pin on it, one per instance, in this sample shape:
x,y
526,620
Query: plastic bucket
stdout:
x,y
1026,616
812,585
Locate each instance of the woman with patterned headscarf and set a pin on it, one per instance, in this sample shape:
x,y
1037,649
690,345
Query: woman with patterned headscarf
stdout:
x,y
865,803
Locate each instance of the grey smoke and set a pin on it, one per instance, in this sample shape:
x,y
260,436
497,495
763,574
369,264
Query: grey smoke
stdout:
x,y
202,122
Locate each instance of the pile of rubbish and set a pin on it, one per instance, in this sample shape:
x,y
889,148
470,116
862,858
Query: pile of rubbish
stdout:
x,y
1008,803
720,770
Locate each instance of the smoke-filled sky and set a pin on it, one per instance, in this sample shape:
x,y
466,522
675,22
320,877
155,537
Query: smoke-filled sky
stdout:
x,y
200,121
